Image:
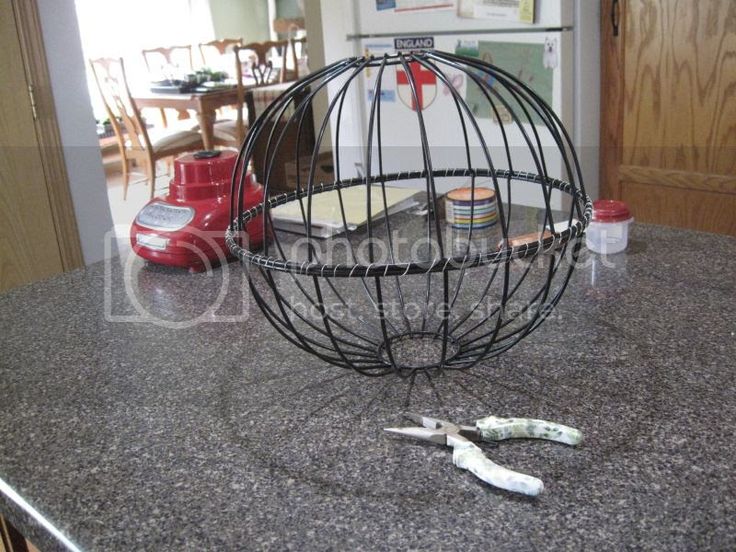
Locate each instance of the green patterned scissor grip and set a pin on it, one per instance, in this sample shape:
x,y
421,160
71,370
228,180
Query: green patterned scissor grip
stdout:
x,y
470,457
494,428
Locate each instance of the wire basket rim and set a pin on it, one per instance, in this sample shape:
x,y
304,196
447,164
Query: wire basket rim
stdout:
x,y
417,267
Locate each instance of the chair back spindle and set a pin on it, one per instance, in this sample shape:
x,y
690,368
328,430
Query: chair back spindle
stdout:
x,y
266,61
109,74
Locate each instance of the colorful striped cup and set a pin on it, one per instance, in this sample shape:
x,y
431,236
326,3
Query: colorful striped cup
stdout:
x,y
479,202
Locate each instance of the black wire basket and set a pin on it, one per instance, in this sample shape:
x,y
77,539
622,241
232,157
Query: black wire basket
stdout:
x,y
407,292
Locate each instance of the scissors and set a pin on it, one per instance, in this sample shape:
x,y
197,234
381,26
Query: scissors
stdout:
x,y
469,456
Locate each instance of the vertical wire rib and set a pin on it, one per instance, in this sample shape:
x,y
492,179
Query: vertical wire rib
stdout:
x,y
369,210
487,89
501,215
382,180
576,178
561,256
341,94
506,296
540,168
446,306
310,187
457,99
431,190
549,116
565,146
279,106
494,177
310,191
299,112
543,310
277,109
499,202
340,198
291,335
245,154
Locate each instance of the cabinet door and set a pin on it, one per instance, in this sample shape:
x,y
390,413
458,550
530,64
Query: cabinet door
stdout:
x,y
668,136
29,244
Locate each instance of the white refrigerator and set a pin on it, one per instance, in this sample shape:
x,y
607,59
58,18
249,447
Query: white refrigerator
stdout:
x,y
542,54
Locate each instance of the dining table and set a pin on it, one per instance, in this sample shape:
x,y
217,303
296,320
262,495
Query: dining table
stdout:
x,y
206,103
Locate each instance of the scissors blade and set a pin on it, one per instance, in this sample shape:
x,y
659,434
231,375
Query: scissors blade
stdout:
x,y
468,432
421,433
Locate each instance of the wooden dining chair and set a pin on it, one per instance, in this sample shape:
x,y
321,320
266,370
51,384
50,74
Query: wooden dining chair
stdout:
x,y
264,61
298,49
217,55
134,142
231,132
256,64
177,57
214,51
168,61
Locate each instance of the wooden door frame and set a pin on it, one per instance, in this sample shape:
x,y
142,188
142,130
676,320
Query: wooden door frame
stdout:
x,y
47,132
612,97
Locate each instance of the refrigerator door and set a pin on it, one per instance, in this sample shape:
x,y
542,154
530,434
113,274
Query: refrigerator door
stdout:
x,y
541,60
543,57
370,20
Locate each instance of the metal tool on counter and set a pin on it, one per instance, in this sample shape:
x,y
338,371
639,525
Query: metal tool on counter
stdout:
x,y
467,455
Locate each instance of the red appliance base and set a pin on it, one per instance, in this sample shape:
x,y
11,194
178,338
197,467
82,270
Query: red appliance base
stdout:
x,y
186,228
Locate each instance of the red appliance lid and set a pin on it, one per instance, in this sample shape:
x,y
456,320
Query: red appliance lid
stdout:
x,y
610,210
204,167
202,175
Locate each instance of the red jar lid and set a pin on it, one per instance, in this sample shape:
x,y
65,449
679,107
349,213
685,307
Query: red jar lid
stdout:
x,y
610,210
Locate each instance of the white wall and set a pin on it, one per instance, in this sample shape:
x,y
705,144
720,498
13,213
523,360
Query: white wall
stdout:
x,y
241,19
76,124
186,22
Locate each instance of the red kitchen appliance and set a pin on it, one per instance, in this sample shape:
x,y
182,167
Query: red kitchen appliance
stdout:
x,y
186,227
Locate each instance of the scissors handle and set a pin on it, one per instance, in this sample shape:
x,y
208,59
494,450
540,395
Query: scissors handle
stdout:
x,y
470,457
494,428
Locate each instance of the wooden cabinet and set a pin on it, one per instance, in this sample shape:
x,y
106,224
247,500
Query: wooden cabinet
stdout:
x,y
668,119
11,540
38,231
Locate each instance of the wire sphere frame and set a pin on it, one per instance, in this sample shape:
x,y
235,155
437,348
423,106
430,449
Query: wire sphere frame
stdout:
x,y
333,341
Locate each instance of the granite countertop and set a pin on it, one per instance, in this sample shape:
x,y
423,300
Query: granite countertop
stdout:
x,y
158,425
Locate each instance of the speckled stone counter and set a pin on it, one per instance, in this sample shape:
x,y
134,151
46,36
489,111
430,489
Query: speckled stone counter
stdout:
x,y
154,424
